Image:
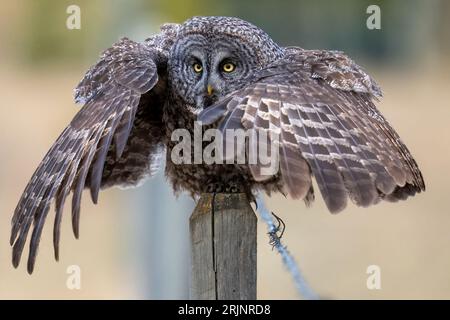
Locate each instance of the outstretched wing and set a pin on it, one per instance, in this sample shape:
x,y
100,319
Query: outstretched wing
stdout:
x,y
113,139
319,103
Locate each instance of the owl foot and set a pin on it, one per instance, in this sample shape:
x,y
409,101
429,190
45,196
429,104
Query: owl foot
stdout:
x,y
218,187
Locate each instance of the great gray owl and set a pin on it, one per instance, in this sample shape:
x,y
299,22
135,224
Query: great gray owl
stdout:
x,y
229,74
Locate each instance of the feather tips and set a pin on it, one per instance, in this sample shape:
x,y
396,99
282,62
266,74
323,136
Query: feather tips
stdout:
x,y
321,105
111,91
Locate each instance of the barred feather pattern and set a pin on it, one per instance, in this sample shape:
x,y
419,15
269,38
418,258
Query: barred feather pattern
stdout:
x,y
107,143
320,103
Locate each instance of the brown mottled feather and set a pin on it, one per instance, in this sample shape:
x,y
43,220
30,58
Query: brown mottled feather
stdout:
x,y
111,92
324,100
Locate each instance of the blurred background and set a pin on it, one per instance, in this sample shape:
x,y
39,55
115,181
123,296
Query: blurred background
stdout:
x,y
134,243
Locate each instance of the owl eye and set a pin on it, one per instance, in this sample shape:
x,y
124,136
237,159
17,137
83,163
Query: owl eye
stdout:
x,y
197,67
228,67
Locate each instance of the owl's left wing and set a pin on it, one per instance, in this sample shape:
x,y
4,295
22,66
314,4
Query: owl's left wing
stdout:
x,y
319,103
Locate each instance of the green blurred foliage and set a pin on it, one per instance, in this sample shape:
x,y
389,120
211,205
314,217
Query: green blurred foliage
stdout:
x,y
44,36
408,27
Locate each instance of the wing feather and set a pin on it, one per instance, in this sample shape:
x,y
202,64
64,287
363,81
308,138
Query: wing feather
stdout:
x,y
62,195
325,172
321,105
112,92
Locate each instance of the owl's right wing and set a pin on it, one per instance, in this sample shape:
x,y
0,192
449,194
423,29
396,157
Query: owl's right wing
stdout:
x,y
114,139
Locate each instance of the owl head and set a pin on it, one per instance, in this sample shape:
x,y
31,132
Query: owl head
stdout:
x,y
213,56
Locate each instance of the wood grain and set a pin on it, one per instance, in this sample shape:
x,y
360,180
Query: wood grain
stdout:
x,y
223,239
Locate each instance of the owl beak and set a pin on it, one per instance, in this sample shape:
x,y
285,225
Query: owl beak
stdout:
x,y
209,89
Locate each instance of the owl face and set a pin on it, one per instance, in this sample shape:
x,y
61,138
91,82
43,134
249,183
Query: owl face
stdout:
x,y
205,69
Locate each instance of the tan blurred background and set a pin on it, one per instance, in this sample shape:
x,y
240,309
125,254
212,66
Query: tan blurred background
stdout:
x,y
134,244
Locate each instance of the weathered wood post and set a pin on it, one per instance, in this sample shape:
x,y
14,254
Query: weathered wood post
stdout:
x,y
223,241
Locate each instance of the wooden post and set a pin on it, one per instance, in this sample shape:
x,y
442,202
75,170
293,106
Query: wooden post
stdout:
x,y
223,240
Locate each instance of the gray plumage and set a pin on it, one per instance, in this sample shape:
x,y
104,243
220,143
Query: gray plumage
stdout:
x,y
319,102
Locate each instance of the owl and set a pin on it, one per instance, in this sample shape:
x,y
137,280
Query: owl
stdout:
x,y
229,75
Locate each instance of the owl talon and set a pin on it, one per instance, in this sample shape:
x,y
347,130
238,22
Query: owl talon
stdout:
x,y
232,188
216,187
